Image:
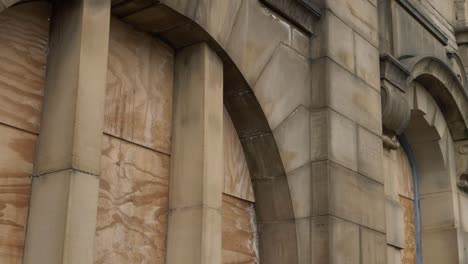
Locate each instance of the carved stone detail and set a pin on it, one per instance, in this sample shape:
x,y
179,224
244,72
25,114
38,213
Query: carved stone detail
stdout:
x,y
396,112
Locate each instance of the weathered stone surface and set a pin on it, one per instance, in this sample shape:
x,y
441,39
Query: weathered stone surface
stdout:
x,y
240,239
16,165
440,246
269,208
347,195
292,137
217,18
254,38
198,231
370,153
337,88
237,181
360,15
133,204
437,210
63,209
333,137
367,57
393,255
153,19
334,241
272,234
22,63
391,175
196,181
304,245
300,185
301,42
395,223
139,88
373,247
283,85
405,177
336,41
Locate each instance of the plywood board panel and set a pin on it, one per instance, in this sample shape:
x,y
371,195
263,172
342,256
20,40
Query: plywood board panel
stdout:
x,y
237,181
24,31
139,88
16,165
239,232
133,204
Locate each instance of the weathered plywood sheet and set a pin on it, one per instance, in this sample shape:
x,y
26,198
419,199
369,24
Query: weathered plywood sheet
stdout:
x,y
239,232
237,180
139,88
133,204
408,253
24,31
16,165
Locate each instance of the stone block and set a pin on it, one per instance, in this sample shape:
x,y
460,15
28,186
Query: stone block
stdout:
x,y
440,246
334,137
347,195
63,209
278,235
301,42
195,179
292,137
255,37
284,85
303,228
269,206
73,114
370,153
395,229
367,62
393,255
300,186
336,42
437,210
194,229
373,247
334,241
390,175
152,19
217,18
342,91
360,15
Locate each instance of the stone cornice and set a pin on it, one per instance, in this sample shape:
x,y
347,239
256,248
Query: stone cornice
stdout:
x,y
301,13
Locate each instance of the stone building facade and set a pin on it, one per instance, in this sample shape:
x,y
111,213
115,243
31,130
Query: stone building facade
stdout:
x,y
234,131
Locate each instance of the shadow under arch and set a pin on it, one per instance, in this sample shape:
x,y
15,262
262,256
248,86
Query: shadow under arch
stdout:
x,y
446,89
274,207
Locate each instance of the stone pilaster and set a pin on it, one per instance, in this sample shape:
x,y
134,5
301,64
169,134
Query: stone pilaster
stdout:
x,y
62,218
196,177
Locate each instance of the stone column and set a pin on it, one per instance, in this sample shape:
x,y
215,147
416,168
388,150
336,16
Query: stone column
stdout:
x,y
196,179
62,217
348,202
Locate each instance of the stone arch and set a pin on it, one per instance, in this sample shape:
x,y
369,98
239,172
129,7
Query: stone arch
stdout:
x,y
445,87
274,205
432,154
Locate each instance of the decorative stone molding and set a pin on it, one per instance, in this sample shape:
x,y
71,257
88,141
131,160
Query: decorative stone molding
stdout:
x,y
396,112
462,165
302,13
